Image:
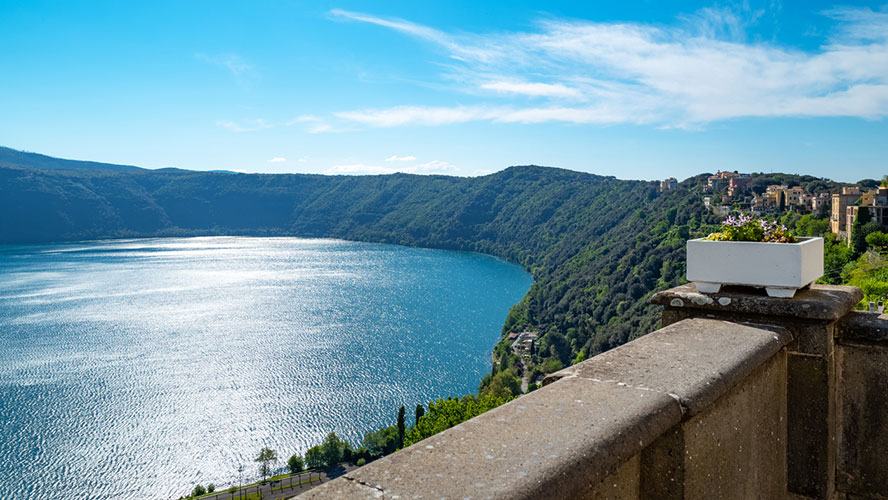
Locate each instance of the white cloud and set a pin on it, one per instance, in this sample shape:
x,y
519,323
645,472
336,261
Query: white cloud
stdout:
x,y
318,128
313,124
533,89
419,115
278,159
400,158
457,50
250,126
700,71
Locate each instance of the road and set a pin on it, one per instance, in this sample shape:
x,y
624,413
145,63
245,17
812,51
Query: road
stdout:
x,y
281,489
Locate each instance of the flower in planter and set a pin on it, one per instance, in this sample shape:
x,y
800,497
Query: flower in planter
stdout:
x,y
745,228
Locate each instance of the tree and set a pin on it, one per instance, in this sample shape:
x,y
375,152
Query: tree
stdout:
x,y
198,491
860,229
558,347
445,413
496,388
877,239
580,357
816,186
836,255
266,460
295,464
382,441
808,225
420,411
314,458
402,428
332,450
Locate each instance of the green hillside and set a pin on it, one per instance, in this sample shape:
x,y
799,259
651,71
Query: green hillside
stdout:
x,y
597,246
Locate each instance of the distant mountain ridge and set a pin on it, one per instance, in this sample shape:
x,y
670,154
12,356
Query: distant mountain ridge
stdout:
x,y
597,246
14,158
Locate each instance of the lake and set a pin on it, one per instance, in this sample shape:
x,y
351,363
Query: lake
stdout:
x,y
138,368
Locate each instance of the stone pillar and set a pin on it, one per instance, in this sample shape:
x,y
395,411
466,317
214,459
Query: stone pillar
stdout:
x,y
811,317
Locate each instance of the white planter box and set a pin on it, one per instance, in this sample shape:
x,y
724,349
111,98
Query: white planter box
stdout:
x,y
779,268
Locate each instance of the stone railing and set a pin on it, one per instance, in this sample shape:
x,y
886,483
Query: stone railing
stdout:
x,y
737,396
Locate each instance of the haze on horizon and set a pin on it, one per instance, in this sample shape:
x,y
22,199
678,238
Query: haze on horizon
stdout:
x,y
644,90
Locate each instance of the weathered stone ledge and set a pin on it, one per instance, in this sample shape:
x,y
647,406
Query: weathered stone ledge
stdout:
x,y
694,361
866,326
587,423
817,302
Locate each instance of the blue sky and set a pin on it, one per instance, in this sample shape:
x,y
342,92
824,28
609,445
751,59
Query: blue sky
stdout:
x,y
638,90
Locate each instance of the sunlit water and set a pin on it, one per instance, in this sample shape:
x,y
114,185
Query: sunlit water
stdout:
x,y
138,368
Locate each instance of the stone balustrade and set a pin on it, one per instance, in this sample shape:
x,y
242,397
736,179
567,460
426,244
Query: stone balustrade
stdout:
x,y
738,396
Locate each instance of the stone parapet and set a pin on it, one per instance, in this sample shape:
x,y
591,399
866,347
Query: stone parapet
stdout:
x,y
738,396
817,302
586,431
695,361
863,326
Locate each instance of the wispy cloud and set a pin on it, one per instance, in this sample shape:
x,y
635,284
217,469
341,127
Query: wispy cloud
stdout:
x,y
428,168
278,159
533,89
249,126
420,115
700,71
242,71
311,124
400,158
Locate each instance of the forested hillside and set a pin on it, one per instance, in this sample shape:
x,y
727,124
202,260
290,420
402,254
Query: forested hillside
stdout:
x,y
14,158
597,246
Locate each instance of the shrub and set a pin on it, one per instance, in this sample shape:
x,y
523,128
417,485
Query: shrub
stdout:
x,y
877,239
361,462
198,491
295,464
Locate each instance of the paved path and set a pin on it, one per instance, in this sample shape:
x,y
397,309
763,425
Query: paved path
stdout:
x,y
281,489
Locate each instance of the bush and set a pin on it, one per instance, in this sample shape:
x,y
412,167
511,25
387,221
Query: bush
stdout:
x,y
198,491
361,462
295,464
877,239
211,488
551,366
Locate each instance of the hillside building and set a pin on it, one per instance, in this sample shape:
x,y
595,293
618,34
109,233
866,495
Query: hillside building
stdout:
x,y
738,185
818,201
792,197
719,181
876,202
841,201
670,183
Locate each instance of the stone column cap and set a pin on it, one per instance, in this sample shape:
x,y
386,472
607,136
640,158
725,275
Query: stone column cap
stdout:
x,y
817,302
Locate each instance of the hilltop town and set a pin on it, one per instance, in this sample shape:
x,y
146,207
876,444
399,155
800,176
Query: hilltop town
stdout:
x,y
727,192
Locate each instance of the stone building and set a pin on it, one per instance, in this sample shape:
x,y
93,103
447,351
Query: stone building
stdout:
x,y
840,201
670,183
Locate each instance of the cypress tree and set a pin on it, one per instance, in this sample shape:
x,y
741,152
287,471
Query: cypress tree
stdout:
x,y
401,427
420,411
858,233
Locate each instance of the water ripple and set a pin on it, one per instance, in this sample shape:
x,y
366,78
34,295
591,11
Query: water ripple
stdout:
x,y
135,369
